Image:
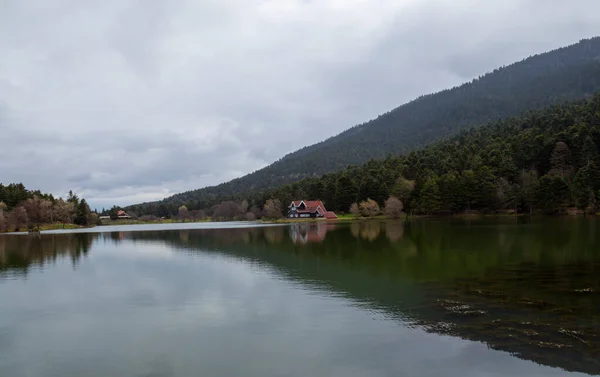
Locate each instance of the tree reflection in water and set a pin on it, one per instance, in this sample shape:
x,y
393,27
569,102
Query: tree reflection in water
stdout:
x,y
528,288
19,253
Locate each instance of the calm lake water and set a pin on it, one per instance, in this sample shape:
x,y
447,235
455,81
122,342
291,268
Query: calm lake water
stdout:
x,y
427,298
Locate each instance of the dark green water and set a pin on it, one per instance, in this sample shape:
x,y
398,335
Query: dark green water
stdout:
x,y
429,298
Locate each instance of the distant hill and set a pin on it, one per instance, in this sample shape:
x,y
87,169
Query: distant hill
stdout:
x,y
539,81
545,162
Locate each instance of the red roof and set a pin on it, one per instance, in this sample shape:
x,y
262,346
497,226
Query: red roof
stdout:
x,y
310,204
330,215
313,206
121,213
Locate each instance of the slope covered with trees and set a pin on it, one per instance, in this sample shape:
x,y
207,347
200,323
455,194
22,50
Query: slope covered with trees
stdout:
x,y
543,80
545,161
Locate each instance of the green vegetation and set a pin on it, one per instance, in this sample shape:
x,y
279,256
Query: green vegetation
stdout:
x,y
59,226
566,74
22,209
545,161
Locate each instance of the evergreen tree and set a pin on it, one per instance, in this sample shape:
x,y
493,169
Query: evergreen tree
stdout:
x,y
589,152
452,198
82,213
430,196
529,185
468,188
485,189
560,161
552,193
402,188
73,198
346,193
586,184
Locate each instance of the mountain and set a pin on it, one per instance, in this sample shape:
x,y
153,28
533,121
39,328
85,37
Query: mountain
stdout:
x,y
543,162
565,74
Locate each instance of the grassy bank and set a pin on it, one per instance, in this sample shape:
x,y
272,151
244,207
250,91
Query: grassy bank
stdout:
x,y
56,226
346,217
60,226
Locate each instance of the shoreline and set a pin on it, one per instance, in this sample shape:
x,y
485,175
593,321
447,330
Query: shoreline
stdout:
x,y
340,219
346,218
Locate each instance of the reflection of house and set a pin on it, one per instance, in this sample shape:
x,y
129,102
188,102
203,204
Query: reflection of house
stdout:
x,y
309,208
303,233
123,215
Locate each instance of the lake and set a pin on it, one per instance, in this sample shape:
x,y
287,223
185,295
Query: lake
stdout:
x,y
499,297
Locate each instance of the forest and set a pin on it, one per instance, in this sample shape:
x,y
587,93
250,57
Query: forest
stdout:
x,y
23,209
545,161
566,74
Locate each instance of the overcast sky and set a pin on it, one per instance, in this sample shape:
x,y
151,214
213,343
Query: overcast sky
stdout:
x,y
133,100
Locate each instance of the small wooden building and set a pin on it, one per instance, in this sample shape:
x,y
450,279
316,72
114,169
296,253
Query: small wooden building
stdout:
x,y
309,209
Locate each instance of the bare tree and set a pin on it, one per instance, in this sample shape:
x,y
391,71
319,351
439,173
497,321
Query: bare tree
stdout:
x,y
18,218
63,211
369,208
244,206
393,208
197,214
38,211
250,216
3,217
182,213
3,221
273,209
354,210
256,211
146,218
93,219
228,210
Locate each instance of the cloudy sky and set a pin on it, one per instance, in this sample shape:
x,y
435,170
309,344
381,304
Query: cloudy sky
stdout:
x,y
133,100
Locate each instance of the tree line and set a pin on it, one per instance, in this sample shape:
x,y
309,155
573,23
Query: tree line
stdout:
x,y
545,161
22,209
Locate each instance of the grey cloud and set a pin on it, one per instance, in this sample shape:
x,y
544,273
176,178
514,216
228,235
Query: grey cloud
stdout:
x,y
132,101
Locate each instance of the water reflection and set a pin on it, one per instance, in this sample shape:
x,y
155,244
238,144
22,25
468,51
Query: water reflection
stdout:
x,y
18,254
531,289
303,233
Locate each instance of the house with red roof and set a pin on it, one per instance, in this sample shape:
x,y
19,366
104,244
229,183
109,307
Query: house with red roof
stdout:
x,y
123,215
309,209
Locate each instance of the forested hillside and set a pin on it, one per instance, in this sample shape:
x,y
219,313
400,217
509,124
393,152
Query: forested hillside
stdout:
x,y
544,162
568,73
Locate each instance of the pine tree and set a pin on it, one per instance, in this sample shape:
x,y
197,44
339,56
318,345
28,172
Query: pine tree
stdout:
x,y
82,213
430,196
346,192
552,193
560,161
